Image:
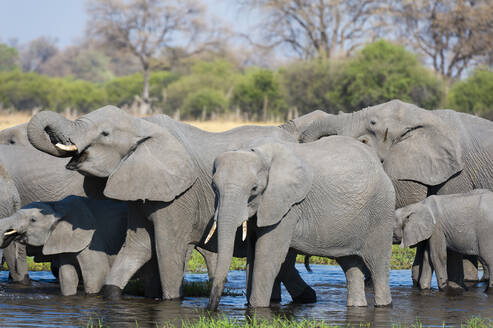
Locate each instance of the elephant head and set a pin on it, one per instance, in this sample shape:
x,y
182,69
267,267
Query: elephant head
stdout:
x,y
140,159
60,227
16,136
413,144
265,181
414,223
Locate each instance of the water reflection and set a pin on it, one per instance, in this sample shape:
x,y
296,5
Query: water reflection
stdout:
x,y
40,305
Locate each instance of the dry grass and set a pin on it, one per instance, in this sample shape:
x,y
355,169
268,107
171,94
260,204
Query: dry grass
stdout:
x,y
8,120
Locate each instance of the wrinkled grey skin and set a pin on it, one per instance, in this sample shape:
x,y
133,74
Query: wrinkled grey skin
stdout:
x,y
462,223
15,136
326,198
79,232
38,177
424,153
164,162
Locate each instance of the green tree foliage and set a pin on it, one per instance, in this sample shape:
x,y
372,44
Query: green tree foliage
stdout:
x,y
305,84
204,102
259,94
26,90
383,71
473,95
9,58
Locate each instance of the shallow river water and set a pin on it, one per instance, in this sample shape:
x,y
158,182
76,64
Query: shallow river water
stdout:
x,y
40,305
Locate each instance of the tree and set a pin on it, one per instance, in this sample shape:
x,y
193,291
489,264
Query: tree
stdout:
x,y
318,28
473,95
8,58
451,34
143,27
36,53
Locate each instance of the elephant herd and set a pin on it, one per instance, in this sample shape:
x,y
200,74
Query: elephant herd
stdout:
x,y
109,196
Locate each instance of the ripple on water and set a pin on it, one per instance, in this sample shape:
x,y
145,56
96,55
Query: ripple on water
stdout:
x,y
40,305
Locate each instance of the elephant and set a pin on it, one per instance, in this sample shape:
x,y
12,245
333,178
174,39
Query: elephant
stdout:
x,y
80,233
425,152
9,203
462,223
163,169
16,135
326,198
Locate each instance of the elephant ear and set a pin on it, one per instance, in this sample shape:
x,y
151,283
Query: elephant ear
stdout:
x,y
74,230
289,180
159,169
419,226
428,152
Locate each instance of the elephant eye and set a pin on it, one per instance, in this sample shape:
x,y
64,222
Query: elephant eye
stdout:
x,y
254,189
33,219
105,133
364,141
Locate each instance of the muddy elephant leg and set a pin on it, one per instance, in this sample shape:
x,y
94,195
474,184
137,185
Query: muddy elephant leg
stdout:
x,y
210,261
68,276
298,289
470,265
355,278
15,256
136,251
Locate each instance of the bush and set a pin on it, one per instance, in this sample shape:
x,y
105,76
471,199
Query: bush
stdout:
x,y
383,71
259,94
204,102
79,94
9,58
473,95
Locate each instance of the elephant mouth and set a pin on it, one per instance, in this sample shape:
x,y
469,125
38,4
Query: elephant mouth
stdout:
x,y
8,237
76,161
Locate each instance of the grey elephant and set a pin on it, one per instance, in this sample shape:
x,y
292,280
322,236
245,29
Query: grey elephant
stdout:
x,y
16,135
166,163
326,198
424,153
462,223
81,233
9,203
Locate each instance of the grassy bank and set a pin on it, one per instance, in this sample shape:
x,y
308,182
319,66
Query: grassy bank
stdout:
x,y
280,322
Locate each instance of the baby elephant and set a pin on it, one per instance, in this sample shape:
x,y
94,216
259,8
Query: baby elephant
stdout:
x,y
462,223
82,233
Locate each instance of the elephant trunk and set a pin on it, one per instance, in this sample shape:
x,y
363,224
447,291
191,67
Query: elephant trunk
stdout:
x,y
228,220
314,126
9,229
54,134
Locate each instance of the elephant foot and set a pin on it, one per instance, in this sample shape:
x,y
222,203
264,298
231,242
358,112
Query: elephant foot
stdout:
x,y
489,290
389,305
26,281
307,296
111,292
452,290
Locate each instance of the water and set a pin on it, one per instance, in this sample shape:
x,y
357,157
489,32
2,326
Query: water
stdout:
x,y
40,305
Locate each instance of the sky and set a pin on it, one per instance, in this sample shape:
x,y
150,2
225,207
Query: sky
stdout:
x,y
65,20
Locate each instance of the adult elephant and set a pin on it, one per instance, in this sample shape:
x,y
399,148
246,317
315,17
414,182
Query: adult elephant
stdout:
x,y
163,168
424,152
16,135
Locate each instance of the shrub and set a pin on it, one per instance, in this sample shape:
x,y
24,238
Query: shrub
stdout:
x,y
473,95
204,102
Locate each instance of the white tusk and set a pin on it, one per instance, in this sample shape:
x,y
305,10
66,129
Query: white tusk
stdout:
x,y
10,232
244,226
209,236
66,147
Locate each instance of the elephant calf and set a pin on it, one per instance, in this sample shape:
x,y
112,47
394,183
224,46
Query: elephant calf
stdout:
x,y
329,198
82,233
462,223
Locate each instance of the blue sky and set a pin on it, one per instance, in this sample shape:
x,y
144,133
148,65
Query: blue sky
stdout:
x,y
65,20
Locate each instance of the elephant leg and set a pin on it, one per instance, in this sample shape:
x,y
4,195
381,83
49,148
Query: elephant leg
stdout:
x,y
94,266
171,252
377,260
210,261
353,269
15,256
487,263
275,296
470,266
486,270
426,274
67,274
438,254
152,282
298,289
455,270
136,251
271,249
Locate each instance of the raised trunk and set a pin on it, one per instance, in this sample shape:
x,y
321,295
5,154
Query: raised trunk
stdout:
x,y
46,129
315,125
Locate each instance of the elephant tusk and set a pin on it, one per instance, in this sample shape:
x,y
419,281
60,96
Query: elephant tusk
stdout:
x,y
66,147
11,232
209,236
244,226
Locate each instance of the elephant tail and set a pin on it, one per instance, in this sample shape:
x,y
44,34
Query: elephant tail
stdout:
x,y
307,263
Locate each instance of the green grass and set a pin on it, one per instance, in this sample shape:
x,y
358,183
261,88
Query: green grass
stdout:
x,y
282,322
32,266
